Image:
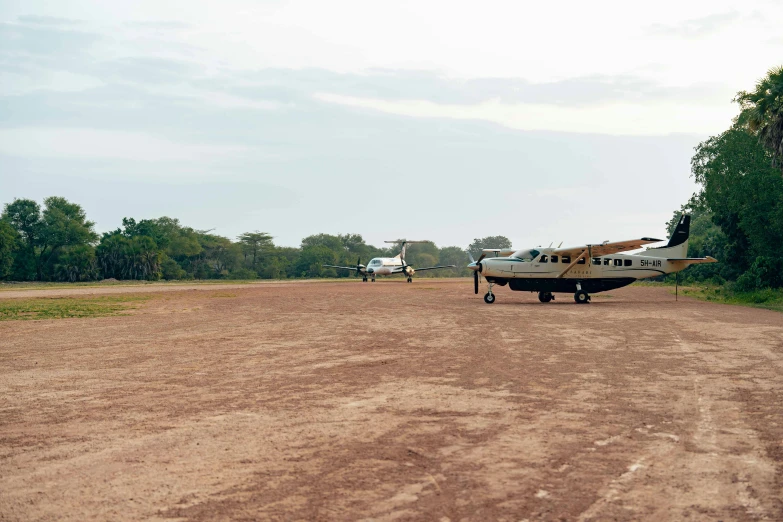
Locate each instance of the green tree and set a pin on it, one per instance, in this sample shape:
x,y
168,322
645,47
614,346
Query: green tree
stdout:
x,y
744,194
24,216
478,245
333,243
454,255
8,245
254,244
762,113
170,269
310,261
129,258
77,263
43,233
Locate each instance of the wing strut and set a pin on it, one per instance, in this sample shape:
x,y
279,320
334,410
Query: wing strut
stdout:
x,y
574,262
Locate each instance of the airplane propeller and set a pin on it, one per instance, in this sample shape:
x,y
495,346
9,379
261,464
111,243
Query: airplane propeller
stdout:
x,y
476,267
359,266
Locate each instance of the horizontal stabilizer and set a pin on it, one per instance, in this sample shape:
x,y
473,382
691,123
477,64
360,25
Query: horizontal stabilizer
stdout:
x,y
693,260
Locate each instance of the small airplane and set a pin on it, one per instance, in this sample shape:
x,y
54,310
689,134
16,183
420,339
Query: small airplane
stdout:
x,y
583,269
384,266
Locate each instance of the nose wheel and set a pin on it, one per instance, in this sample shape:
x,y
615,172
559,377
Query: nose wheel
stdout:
x,y
410,279
489,297
364,279
545,297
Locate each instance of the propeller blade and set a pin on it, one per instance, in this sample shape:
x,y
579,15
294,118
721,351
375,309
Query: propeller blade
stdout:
x,y
475,282
470,256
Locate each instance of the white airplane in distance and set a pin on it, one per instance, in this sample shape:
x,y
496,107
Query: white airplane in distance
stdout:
x,y
583,269
385,266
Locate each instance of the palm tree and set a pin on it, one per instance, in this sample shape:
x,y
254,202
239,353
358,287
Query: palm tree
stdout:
x,y
762,113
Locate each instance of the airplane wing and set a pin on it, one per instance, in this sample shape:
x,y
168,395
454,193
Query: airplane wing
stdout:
x,y
434,267
606,248
343,267
398,270
499,252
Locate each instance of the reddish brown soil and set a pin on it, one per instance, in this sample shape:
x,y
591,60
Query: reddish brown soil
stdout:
x,y
394,401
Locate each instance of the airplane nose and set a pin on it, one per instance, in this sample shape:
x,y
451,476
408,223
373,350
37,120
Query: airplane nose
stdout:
x,y
476,267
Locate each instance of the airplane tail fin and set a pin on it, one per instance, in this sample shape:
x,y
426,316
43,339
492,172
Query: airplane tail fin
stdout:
x,y
677,248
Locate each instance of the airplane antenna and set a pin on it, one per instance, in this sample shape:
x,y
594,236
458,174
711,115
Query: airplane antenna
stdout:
x,y
550,245
558,246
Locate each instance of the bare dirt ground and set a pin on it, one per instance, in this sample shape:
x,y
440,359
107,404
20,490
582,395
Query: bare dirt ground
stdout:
x,y
394,401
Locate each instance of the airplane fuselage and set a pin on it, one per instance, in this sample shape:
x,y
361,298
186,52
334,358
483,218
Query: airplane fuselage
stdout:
x,y
545,272
383,266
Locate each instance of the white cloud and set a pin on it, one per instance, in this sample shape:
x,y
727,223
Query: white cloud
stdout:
x,y
104,144
659,118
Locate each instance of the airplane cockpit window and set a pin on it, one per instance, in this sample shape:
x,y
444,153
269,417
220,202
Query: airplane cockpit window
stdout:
x,y
375,262
526,255
544,259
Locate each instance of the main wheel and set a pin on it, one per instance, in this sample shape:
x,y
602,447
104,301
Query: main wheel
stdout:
x,y
489,298
544,297
364,279
581,297
373,279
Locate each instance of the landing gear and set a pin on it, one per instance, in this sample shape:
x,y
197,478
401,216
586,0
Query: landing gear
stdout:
x,y
581,297
489,297
364,279
545,297
373,279
410,279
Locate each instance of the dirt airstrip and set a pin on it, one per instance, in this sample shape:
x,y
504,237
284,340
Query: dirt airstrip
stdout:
x,y
393,401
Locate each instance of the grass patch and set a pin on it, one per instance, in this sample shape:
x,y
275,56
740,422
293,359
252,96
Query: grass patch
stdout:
x,y
67,307
768,298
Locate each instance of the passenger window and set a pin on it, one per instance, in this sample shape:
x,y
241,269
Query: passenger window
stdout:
x,y
628,262
618,262
581,261
565,259
596,260
607,261
544,259
554,259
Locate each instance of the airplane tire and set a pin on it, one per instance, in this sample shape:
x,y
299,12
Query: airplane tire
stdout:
x,y
489,298
410,280
545,297
581,297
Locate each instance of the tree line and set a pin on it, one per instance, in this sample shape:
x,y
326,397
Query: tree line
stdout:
x,y
56,242
737,213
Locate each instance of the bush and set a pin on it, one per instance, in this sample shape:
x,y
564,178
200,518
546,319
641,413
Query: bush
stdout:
x,y
765,272
242,273
171,270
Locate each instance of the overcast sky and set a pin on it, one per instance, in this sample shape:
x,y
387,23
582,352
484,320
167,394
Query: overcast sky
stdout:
x,y
441,120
